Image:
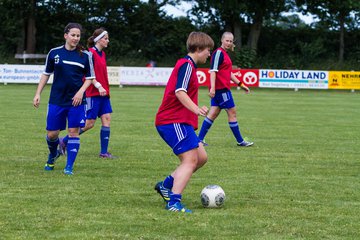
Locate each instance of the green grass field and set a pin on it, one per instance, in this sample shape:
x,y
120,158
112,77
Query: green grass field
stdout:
x,y
300,180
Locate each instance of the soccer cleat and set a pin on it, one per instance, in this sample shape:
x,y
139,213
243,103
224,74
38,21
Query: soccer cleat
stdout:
x,y
62,146
106,155
164,192
68,171
245,144
49,166
177,207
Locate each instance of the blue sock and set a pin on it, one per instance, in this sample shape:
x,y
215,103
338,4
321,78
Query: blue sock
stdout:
x,y
206,125
104,138
52,145
72,149
174,198
168,182
236,131
66,138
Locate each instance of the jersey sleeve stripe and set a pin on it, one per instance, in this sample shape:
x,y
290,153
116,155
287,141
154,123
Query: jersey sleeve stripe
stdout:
x,y
187,76
216,60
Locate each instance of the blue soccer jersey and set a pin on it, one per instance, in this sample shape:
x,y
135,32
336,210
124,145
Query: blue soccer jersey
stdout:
x,y
70,68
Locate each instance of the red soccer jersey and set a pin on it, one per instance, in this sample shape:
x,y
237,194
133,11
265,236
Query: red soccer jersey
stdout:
x,y
101,74
222,65
171,109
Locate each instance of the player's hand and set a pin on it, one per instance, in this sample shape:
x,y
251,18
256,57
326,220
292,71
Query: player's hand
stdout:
x,y
36,100
212,92
77,99
102,91
203,111
246,89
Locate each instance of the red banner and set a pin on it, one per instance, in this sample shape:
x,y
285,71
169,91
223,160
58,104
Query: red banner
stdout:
x,y
250,77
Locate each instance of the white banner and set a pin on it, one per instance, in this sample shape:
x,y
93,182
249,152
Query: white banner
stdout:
x,y
21,73
144,75
293,79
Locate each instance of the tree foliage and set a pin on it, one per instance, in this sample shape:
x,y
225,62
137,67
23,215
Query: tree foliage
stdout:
x,y
141,30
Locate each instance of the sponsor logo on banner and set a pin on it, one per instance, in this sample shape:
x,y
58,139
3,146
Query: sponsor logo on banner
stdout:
x,y
344,80
250,77
21,73
203,76
293,79
144,75
113,75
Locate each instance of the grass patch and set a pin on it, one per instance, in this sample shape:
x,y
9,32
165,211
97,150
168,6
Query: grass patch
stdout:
x,y
299,181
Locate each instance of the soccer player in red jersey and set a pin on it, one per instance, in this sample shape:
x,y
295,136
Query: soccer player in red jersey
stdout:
x,y
220,94
177,120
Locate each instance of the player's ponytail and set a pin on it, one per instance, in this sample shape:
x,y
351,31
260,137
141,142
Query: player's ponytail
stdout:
x,y
96,36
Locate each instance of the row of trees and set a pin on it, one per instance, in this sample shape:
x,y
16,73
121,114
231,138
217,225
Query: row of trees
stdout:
x,y
141,30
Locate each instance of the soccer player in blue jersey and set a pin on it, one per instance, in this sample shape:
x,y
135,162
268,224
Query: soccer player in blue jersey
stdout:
x,y
219,91
177,120
70,65
97,95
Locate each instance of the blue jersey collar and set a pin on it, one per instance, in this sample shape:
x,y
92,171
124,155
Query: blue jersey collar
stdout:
x,y
188,57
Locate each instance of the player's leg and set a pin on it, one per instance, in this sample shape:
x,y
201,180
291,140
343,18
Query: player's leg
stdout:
x,y
76,120
52,140
202,157
234,126
105,135
92,109
104,110
208,121
55,121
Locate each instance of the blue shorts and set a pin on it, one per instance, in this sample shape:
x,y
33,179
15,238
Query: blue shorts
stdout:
x,y
97,106
180,137
223,99
57,115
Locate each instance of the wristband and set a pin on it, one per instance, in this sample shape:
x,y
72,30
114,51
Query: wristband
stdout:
x,y
240,84
97,85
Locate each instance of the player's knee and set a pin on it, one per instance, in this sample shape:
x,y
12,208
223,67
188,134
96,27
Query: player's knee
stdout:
x,y
90,125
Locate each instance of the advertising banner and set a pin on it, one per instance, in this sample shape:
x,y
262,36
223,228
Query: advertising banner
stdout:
x,y
144,75
293,79
21,73
113,75
344,80
250,77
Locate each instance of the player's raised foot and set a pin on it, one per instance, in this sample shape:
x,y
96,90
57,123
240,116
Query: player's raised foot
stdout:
x,y
62,146
106,155
50,164
164,192
177,207
68,171
245,144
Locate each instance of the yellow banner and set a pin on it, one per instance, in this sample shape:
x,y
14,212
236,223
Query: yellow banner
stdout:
x,y
344,80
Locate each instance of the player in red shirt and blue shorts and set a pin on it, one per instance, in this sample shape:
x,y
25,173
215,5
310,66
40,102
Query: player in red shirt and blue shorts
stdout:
x,y
221,97
98,94
177,120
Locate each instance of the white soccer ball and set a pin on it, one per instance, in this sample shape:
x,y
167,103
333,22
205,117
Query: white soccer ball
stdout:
x,y
212,196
